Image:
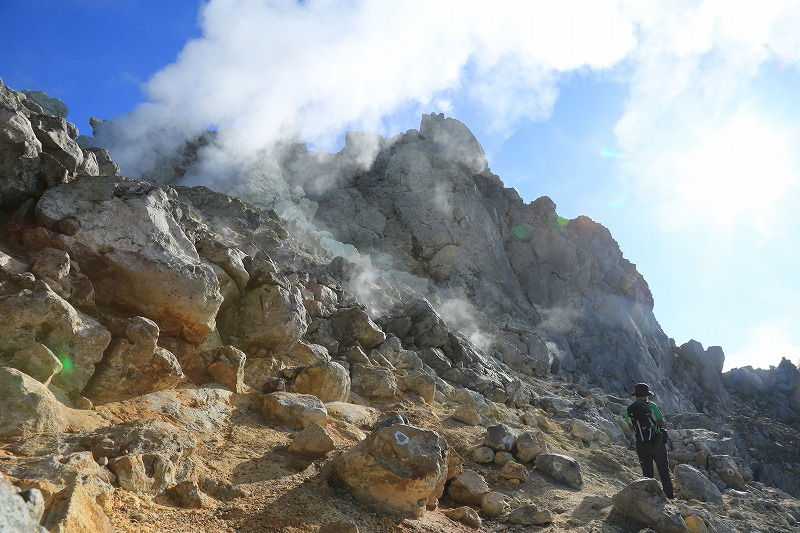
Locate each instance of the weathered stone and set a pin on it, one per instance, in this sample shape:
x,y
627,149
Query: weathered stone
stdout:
x,y
529,445
725,467
500,438
313,441
40,316
482,454
52,476
355,355
501,458
304,353
355,325
134,365
294,410
644,501
693,485
436,359
188,495
468,487
194,358
373,382
27,406
147,456
15,514
468,414
76,509
54,265
420,383
583,430
38,362
268,316
50,106
359,415
465,515
512,470
530,515
399,469
329,382
228,369
560,468
494,504
143,260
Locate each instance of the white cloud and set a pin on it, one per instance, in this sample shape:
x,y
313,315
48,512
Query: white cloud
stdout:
x,y
267,70
700,149
767,343
734,171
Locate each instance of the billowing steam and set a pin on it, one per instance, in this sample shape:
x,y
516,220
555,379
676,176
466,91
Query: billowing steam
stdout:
x,y
269,71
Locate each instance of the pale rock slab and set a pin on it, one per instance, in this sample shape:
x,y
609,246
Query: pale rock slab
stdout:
x,y
694,485
269,316
644,501
294,410
38,362
399,469
468,487
134,365
329,381
134,251
560,468
27,406
313,441
40,316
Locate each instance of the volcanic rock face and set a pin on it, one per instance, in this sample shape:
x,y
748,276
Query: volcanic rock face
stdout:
x,y
564,295
397,275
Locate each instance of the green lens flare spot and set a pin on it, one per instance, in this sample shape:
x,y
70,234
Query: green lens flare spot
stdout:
x,y
561,221
66,363
522,231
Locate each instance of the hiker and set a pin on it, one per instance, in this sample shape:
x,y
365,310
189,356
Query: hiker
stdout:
x,y
647,422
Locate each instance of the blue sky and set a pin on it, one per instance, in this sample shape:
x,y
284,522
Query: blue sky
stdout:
x,y
676,125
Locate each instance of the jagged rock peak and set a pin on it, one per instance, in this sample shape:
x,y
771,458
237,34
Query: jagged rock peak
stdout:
x,y
455,140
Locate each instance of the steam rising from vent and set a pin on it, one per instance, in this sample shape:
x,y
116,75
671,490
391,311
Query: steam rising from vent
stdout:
x,y
263,72
461,316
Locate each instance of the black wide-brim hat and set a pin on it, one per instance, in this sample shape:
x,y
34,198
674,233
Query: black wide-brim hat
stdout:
x,y
642,389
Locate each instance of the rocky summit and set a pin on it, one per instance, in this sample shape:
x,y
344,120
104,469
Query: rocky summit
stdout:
x,y
385,339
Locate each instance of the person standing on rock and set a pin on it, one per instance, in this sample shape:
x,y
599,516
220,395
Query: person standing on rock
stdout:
x,y
647,422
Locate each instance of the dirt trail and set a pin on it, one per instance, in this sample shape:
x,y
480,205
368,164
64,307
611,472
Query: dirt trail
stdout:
x,y
255,485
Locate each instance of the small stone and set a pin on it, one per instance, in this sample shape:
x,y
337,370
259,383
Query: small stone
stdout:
x,y
313,441
294,410
482,454
512,470
84,403
494,504
500,437
468,487
501,458
468,414
465,515
187,494
529,445
530,515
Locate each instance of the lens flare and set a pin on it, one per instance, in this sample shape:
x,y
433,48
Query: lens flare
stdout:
x,y
522,231
66,363
611,154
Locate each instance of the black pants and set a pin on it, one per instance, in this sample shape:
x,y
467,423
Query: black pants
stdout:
x,y
656,451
